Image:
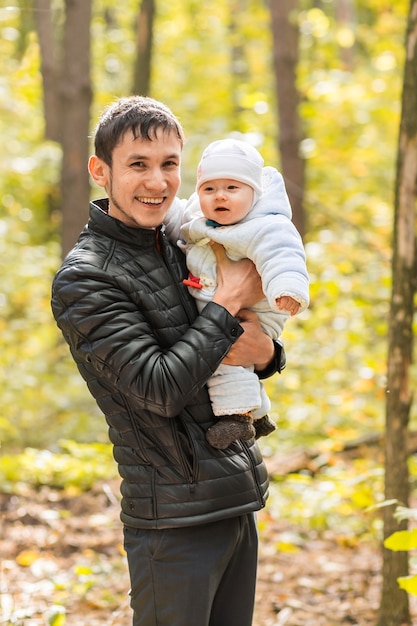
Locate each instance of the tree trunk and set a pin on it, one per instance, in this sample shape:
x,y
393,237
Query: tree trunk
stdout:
x,y
49,68
285,54
144,38
238,61
345,18
76,95
67,93
394,608
25,26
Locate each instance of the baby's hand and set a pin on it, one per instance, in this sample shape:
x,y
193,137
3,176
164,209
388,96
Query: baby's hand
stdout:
x,y
286,303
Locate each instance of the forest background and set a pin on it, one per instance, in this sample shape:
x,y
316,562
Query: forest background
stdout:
x,y
349,75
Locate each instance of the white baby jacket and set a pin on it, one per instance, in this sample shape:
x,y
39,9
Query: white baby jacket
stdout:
x,y
268,237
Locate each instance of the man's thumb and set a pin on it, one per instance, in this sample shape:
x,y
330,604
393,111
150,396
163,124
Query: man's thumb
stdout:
x,y
219,251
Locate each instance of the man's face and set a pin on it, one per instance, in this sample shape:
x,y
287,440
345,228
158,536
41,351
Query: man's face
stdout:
x,y
143,180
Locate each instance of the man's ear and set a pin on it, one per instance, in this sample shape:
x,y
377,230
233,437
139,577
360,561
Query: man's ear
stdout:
x,y
99,171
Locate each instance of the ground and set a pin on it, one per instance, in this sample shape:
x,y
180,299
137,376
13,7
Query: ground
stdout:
x,y
64,550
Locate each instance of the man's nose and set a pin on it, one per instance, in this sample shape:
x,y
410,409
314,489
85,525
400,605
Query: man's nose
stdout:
x,y
155,179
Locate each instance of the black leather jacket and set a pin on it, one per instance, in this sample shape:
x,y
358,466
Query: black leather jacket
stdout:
x,y
146,355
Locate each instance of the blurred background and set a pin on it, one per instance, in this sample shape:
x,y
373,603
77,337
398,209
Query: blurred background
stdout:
x,y
316,86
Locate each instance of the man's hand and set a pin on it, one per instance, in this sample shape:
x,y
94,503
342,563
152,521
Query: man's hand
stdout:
x,y
239,284
253,347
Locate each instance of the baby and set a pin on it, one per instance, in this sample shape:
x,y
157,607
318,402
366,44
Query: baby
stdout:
x,y
244,206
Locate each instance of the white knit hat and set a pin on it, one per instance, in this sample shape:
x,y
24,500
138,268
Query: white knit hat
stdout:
x,y
231,158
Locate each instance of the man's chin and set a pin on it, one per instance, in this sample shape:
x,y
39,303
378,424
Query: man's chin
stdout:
x,y
154,220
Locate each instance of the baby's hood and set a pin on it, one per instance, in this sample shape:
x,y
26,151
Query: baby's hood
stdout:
x,y
274,199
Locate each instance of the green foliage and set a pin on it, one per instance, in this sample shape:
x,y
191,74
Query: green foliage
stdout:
x,y
43,396
338,496
29,166
76,466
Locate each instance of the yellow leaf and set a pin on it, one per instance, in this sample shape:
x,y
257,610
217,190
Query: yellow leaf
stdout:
x,y
408,583
27,557
402,540
285,546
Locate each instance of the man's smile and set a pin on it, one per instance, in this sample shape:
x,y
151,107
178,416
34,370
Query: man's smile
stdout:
x,y
151,201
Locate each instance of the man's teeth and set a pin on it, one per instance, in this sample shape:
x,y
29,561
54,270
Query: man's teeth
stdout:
x,y
151,200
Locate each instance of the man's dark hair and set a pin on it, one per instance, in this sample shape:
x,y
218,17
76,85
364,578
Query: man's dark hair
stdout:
x,y
140,115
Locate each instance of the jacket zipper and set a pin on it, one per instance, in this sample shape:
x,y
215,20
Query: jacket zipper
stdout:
x,y
253,467
163,246
188,468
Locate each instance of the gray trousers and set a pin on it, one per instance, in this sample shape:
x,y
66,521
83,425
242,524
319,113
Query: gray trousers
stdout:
x,y
195,576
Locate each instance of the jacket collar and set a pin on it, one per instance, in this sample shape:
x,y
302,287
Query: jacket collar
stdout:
x,y
102,223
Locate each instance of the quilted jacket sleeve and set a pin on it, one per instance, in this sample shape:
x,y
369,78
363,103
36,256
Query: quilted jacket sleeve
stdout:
x,y
144,342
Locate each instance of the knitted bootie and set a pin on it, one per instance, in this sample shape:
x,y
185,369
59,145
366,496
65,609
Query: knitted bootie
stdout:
x,y
264,426
229,428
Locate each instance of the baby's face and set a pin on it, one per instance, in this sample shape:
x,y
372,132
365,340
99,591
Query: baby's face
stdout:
x,y
225,200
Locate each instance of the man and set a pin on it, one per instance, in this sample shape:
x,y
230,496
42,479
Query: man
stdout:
x,y
146,355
